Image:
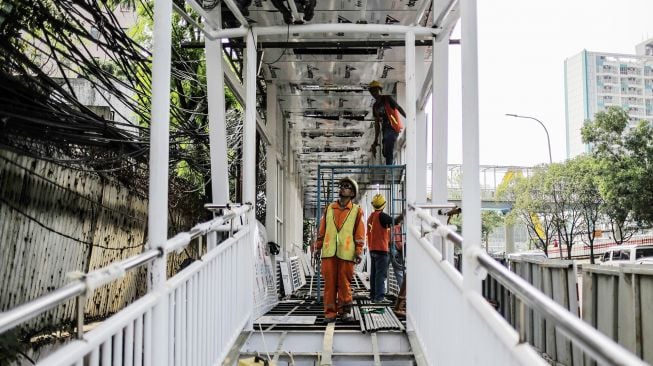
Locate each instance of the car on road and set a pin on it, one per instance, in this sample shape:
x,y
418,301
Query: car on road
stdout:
x,y
628,254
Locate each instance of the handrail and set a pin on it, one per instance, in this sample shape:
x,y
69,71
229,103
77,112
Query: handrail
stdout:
x,y
436,224
27,311
598,345
30,309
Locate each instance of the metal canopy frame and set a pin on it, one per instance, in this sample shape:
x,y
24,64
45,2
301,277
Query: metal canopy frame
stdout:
x,y
321,69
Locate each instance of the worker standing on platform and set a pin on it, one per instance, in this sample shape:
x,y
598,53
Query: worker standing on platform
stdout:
x,y
340,243
386,117
378,240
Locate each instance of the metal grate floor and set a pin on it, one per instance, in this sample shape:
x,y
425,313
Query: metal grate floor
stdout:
x,y
368,317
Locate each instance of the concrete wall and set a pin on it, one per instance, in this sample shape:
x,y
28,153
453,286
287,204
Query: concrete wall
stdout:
x,y
53,221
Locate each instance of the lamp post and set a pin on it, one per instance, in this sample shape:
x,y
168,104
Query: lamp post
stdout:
x,y
548,140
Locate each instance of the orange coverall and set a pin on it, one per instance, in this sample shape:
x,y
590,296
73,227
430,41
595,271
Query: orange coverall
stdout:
x,y
337,272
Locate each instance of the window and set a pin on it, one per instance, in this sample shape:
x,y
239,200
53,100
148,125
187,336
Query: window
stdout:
x,y
643,252
606,256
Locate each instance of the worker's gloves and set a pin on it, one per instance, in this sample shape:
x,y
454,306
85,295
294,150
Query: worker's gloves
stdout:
x,y
358,259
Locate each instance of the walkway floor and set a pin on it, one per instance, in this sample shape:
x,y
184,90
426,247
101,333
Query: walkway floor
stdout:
x,y
294,332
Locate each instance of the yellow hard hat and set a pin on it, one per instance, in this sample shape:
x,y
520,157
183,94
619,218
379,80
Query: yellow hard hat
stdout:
x,y
375,84
378,201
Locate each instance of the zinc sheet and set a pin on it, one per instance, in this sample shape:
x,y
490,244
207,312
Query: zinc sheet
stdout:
x,y
54,221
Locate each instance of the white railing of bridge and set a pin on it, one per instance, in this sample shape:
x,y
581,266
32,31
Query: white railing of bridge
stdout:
x,y
477,334
208,305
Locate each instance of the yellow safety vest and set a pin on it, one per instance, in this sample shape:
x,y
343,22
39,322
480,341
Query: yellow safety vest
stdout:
x,y
340,242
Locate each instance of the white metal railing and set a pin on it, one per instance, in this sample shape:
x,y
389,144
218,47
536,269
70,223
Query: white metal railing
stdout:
x,y
208,304
478,334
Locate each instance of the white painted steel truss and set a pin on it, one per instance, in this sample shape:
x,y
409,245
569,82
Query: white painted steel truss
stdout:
x,y
316,78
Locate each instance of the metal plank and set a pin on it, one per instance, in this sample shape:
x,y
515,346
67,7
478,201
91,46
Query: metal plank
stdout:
x,y
327,345
375,350
275,359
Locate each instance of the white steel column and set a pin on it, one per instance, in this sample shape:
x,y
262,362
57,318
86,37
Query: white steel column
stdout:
x,y
249,164
158,190
421,128
217,118
411,86
287,208
271,188
411,166
249,130
440,121
471,186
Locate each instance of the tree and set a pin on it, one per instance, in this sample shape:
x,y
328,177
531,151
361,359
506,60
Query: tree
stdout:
x,y
624,153
490,220
590,201
533,208
560,183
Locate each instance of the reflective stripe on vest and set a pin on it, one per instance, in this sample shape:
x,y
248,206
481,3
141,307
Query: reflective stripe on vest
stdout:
x,y
340,243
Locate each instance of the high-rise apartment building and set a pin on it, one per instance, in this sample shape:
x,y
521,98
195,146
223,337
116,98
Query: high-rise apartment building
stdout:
x,y
595,81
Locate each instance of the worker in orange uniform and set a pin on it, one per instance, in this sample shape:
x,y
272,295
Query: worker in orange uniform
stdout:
x,y
386,117
378,242
340,244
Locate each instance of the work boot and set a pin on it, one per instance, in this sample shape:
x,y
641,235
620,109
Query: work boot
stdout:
x,y
381,301
347,317
329,320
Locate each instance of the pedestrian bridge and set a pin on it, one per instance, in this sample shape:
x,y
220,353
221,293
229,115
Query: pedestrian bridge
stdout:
x,y
223,308
304,90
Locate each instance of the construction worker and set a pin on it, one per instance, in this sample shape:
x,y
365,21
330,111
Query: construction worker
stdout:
x,y
340,243
378,241
385,110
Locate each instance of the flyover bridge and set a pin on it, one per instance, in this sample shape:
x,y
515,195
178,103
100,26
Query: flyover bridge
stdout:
x,y
304,89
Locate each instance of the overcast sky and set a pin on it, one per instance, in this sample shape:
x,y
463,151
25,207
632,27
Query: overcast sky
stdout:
x,y
522,48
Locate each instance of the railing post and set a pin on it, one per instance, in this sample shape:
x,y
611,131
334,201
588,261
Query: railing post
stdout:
x,y
81,301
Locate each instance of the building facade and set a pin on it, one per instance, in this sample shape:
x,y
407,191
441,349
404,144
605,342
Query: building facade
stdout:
x,y
595,81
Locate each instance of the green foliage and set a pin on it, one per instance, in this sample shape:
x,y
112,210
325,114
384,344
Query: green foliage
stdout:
x,y
590,201
534,209
625,165
10,347
507,191
189,107
561,182
490,221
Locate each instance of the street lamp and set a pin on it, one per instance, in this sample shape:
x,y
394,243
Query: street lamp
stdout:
x,y
548,140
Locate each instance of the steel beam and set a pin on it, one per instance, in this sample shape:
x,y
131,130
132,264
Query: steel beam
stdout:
x,y
326,28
